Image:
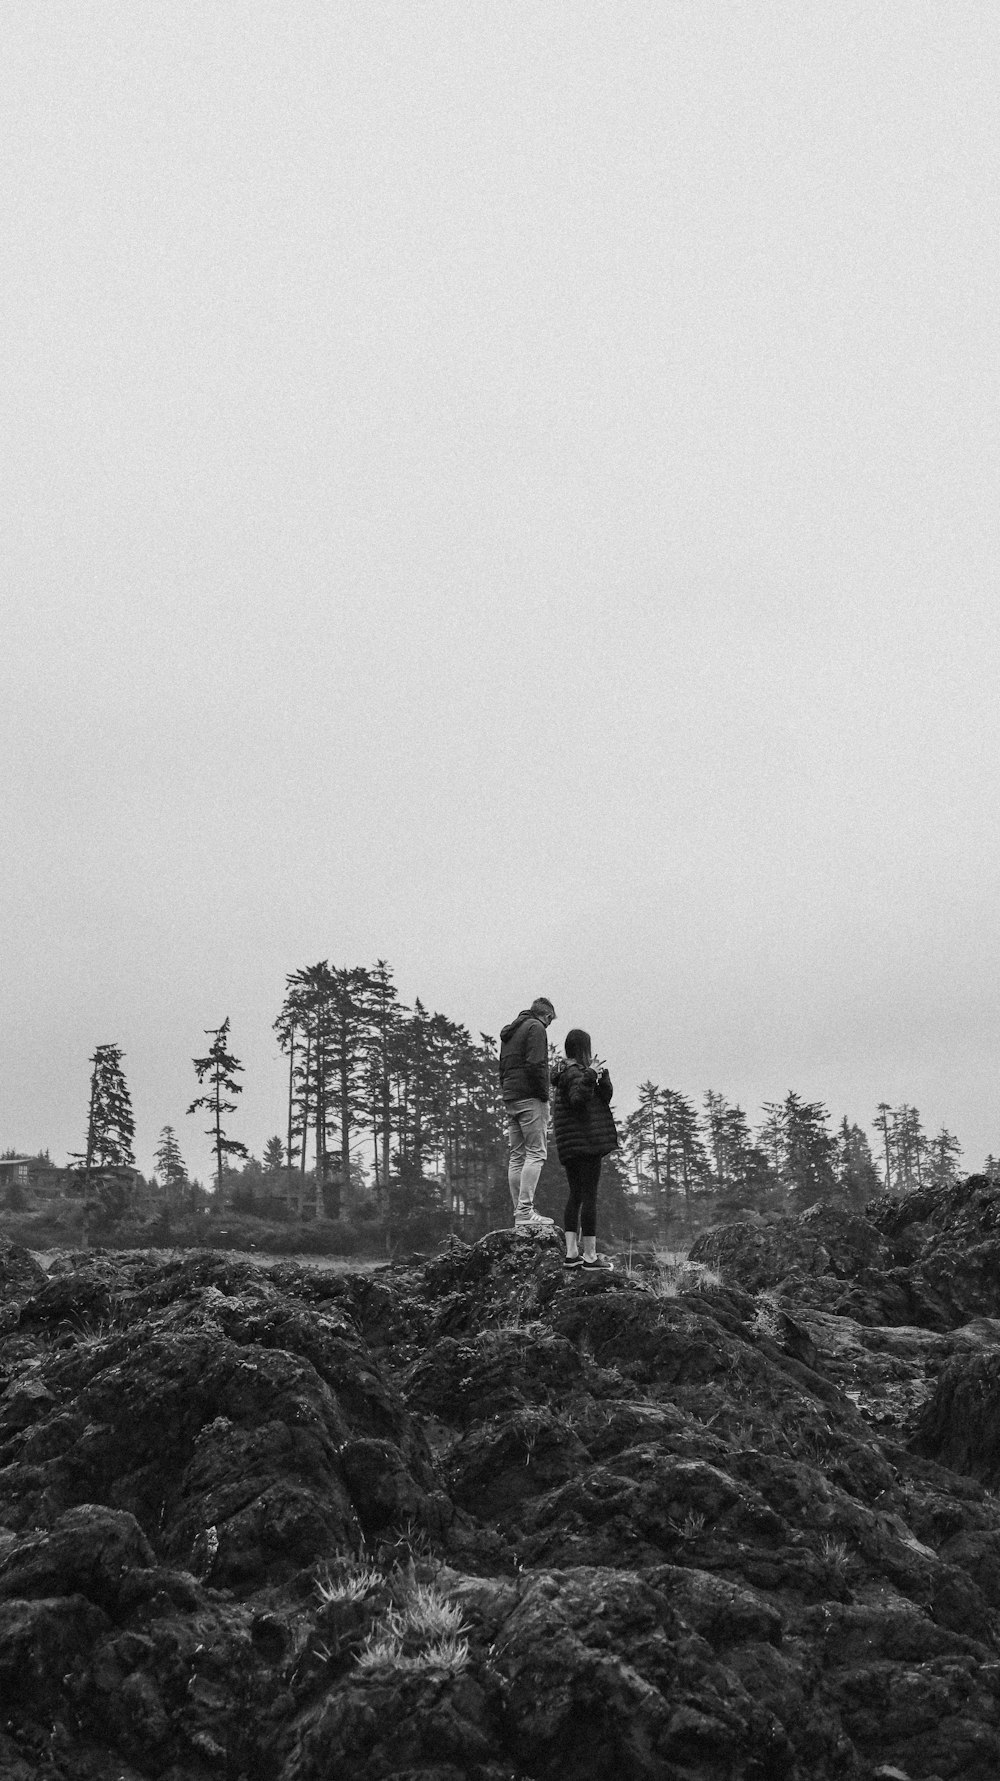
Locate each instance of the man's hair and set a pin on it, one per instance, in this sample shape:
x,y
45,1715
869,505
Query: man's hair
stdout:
x,y
542,1005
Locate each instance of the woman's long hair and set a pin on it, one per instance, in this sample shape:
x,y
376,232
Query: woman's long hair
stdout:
x,y
577,1046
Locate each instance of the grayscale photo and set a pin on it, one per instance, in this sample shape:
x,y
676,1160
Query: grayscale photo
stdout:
x,y
500,890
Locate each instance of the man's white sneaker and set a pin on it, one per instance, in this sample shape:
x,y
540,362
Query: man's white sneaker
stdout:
x,y
537,1225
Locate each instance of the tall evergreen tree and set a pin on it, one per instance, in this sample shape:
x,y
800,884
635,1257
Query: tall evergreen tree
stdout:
x,y
800,1149
903,1146
742,1176
773,1138
110,1131
287,1034
488,1116
274,1156
715,1131
650,1139
414,1089
385,1015
943,1154
221,1069
910,1146
854,1166
632,1149
170,1167
308,1005
110,1124
809,1153
351,991
883,1126
752,1181
692,1162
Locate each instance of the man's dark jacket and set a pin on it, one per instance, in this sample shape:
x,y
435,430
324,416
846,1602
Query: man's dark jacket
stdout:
x,y
524,1059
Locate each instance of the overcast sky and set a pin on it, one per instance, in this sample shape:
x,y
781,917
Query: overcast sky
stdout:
x,y
510,488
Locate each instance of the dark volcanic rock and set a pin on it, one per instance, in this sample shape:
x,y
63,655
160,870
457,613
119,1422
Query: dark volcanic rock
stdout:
x,y
91,1551
475,1517
960,1423
762,1250
20,1273
930,1259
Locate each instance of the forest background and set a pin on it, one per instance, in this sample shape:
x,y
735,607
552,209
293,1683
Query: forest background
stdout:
x,y
393,1132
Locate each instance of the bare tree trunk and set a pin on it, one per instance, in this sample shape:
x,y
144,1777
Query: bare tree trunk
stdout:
x,y
305,1128
291,1114
386,1131
220,1198
320,1117
89,1159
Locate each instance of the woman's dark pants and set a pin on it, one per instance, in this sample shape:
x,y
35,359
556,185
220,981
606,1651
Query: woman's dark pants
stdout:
x,y
583,1173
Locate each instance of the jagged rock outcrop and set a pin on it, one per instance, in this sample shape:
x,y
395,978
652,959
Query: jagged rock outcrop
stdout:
x,y
480,1517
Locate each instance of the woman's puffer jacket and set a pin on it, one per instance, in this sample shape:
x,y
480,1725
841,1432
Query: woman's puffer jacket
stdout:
x,y
581,1114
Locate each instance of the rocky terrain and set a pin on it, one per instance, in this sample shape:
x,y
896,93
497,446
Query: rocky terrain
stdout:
x,y
479,1517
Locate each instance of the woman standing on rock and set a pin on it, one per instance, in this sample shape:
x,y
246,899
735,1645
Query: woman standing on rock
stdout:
x,y
585,1134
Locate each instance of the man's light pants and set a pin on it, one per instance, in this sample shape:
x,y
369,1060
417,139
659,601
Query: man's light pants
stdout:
x,y
527,1123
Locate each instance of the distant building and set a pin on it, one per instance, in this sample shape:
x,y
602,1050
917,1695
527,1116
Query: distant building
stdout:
x,y
14,1171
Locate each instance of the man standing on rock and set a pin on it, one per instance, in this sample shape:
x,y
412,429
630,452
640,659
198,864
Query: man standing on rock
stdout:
x,y
524,1082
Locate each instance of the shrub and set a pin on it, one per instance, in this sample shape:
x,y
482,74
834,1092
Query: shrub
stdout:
x,y
423,1632
428,1614
382,1651
351,1585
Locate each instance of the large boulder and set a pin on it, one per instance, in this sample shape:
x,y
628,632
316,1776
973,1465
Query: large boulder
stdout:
x,y
960,1424
760,1251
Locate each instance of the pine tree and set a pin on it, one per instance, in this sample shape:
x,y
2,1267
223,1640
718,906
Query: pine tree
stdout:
x,y
385,1015
773,1138
742,1176
883,1126
910,1142
309,1001
110,1131
715,1127
809,1152
632,1149
692,1161
110,1126
854,1166
287,1034
489,1133
800,1149
274,1156
221,1069
414,1068
649,1139
170,1166
349,1026
943,1153
753,1182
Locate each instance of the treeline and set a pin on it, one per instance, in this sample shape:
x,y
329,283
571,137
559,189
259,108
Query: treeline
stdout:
x,y
395,1112
393,1118
684,1160
426,1095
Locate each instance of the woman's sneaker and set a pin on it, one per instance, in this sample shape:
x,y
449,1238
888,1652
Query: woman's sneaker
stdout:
x,y
573,1261
599,1265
